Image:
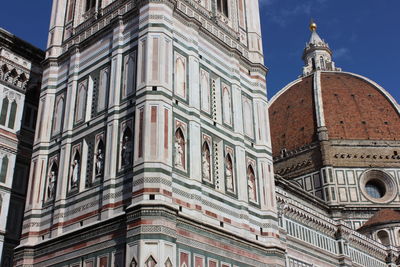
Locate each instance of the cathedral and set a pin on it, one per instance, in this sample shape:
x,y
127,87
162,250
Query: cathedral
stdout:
x,y
156,146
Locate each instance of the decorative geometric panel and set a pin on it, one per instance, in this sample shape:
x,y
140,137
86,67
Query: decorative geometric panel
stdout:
x,y
151,262
168,263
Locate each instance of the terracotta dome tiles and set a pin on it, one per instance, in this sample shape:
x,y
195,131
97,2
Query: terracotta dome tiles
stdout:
x,y
354,109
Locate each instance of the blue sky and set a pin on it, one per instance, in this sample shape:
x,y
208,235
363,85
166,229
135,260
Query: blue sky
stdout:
x,y
363,34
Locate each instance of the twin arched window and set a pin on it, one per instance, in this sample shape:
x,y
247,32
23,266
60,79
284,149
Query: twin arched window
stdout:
x,y
8,111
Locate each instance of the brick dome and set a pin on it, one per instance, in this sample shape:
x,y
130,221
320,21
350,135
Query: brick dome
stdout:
x,y
353,108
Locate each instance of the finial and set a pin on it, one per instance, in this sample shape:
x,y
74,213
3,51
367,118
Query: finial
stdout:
x,y
313,25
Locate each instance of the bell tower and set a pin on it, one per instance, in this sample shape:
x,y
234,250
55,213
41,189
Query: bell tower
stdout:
x,y
153,143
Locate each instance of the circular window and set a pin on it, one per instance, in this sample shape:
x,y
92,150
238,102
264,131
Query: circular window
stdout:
x,y
375,189
378,186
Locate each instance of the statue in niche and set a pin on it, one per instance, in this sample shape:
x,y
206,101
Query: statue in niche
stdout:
x,y
126,151
206,163
179,149
229,174
51,185
99,162
75,173
251,182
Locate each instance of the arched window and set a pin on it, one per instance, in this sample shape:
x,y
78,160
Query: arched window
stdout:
x,y
3,71
150,262
126,148
383,237
13,77
222,7
180,77
13,113
4,168
247,118
4,110
180,158
227,106
81,102
398,236
206,162
322,63
102,90
313,63
70,10
128,84
90,4
58,115
251,183
229,174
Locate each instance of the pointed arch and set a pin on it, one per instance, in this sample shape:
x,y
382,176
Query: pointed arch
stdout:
x,y
13,114
229,173
206,161
3,71
13,76
4,169
248,118
205,90
180,66
227,107
58,115
4,110
251,183
81,102
126,147
129,75
180,149
102,89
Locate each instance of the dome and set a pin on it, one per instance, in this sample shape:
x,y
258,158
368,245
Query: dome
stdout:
x,y
382,217
350,106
